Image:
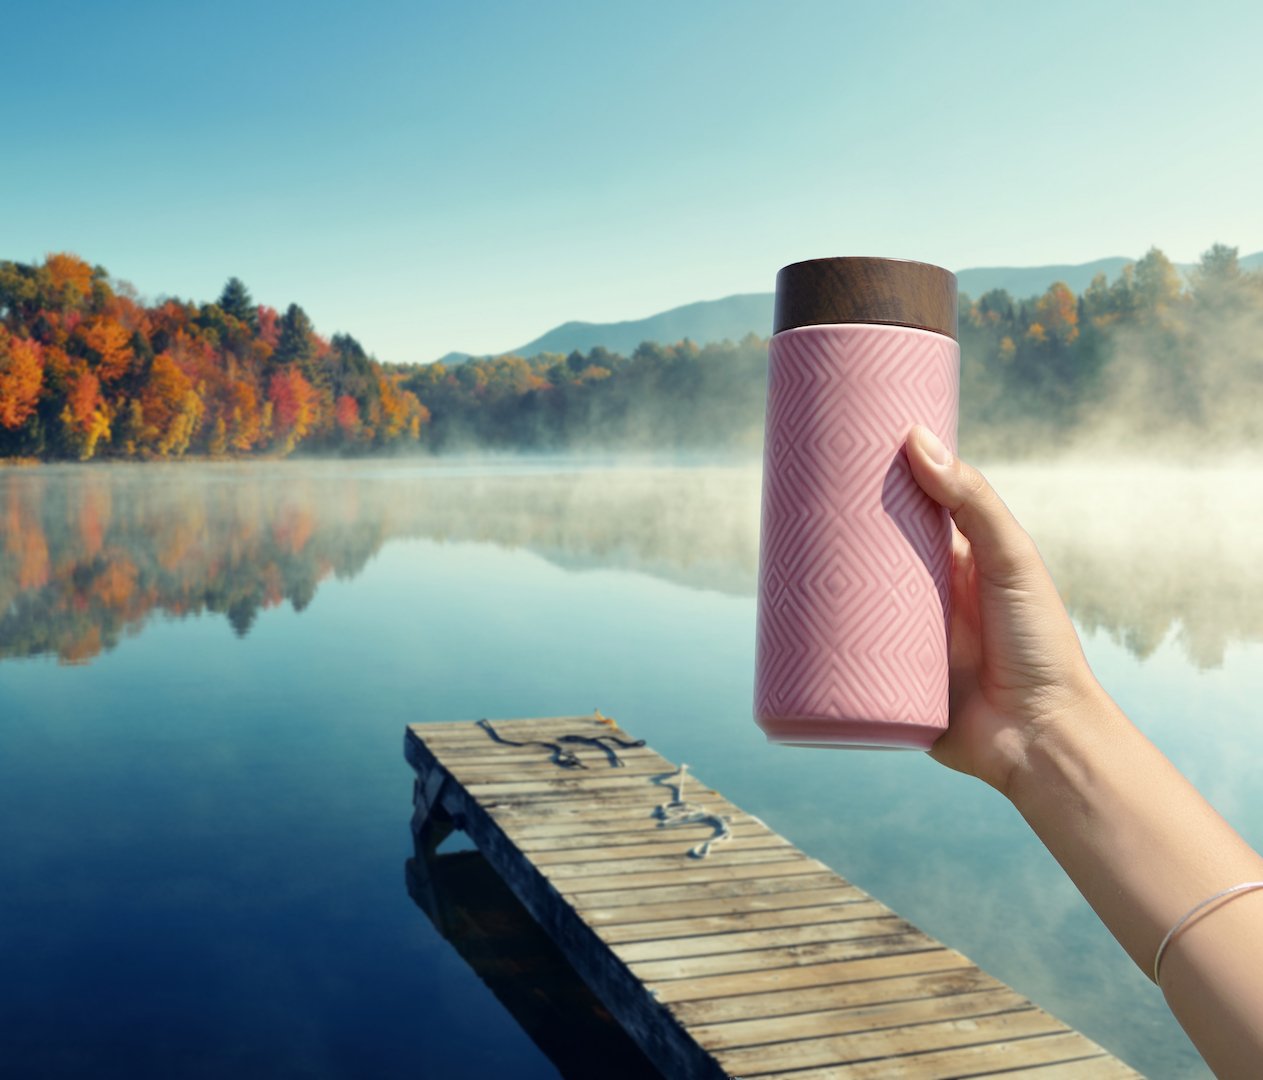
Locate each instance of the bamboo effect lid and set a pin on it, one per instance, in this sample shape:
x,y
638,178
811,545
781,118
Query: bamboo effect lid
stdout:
x,y
859,289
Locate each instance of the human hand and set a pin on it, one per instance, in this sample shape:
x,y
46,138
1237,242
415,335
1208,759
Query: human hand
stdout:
x,y
1016,666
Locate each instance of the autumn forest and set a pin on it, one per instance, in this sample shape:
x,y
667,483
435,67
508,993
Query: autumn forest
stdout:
x,y
87,370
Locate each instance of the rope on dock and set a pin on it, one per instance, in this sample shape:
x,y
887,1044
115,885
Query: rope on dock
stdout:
x,y
567,759
675,812
679,812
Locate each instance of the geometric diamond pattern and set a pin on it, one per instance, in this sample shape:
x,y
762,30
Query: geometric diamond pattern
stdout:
x,y
854,607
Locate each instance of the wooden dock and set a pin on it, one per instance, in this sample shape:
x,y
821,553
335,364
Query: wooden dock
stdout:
x,y
479,916
755,960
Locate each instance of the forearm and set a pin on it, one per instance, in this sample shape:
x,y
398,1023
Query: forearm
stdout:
x,y
1143,846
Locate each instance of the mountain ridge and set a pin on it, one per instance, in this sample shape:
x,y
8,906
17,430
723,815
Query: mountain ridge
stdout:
x,y
732,317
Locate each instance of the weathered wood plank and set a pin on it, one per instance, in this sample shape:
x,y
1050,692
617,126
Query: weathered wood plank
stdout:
x,y
632,789
536,805
640,830
772,938
568,802
752,960
597,813
757,960
549,839
578,780
670,929
1003,1059
909,957
700,871
630,917
1102,1067
845,1021
838,1050
661,846
603,809
677,860
948,973
699,890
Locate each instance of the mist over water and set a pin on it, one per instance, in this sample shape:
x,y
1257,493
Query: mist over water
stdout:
x,y
1138,549
1142,550
1180,392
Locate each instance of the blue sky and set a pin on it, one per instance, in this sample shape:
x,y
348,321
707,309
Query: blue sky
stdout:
x,y
435,176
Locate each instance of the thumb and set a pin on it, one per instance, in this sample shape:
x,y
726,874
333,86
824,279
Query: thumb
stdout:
x,y
1001,547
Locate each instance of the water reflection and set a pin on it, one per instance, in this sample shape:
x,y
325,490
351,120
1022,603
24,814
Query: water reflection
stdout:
x,y
91,554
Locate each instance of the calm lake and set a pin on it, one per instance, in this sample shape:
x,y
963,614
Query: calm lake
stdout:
x,y
205,673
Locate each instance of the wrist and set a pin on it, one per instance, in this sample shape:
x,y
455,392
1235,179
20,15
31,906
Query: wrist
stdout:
x,y
1058,753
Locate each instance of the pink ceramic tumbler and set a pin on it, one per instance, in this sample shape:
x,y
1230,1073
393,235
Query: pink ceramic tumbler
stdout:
x,y
854,559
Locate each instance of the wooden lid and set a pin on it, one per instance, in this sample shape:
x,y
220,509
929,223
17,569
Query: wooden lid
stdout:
x,y
866,290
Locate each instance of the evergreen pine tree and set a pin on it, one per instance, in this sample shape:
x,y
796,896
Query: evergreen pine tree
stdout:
x,y
235,300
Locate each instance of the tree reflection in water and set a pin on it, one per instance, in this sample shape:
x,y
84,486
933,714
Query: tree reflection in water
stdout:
x,y
89,554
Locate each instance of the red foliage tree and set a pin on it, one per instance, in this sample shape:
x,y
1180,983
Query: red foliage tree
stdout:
x,y
294,407
347,414
269,326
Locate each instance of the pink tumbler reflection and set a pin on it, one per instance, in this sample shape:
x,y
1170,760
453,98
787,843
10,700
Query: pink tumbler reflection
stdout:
x,y
854,558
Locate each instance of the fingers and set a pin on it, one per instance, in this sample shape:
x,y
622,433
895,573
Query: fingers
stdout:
x,y
1001,547
963,574
960,546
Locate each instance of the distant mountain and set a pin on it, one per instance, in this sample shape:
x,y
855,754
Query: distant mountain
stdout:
x,y
1023,281
707,320
735,316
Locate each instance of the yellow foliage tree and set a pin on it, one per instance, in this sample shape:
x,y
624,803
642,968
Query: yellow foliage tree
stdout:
x,y
85,418
1058,311
171,408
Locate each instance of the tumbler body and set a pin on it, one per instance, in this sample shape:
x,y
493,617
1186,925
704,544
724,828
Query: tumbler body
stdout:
x,y
854,607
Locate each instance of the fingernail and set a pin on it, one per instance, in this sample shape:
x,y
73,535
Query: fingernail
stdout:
x,y
934,448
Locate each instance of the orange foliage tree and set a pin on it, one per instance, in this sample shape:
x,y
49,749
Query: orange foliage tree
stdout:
x,y
69,277
21,378
107,345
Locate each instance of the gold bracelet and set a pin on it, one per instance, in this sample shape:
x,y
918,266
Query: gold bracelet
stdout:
x,y
1243,887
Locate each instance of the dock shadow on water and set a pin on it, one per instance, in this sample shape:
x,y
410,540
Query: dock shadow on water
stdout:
x,y
477,913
